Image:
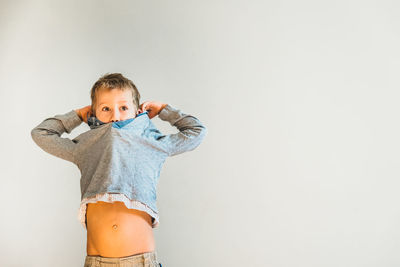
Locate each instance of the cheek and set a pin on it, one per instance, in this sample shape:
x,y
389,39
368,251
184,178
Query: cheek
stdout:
x,y
101,115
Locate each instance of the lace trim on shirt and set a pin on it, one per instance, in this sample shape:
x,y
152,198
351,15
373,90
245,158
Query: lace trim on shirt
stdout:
x,y
111,197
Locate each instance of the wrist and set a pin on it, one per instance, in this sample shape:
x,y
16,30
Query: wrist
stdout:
x,y
79,114
162,107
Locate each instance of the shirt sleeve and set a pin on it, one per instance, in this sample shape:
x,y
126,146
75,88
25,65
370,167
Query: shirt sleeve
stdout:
x,y
47,135
191,131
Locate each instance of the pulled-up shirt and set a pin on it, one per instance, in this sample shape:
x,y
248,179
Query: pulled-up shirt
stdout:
x,y
120,161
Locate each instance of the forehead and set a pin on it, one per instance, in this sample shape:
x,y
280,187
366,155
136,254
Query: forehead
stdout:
x,y
106,96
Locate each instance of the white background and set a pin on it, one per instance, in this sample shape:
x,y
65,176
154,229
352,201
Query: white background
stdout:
x,y
300,166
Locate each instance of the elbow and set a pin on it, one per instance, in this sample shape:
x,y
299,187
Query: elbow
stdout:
x,y
34,134
197,134
198,138
203,132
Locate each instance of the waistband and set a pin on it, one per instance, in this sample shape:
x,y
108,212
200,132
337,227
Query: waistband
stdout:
x,y
145,257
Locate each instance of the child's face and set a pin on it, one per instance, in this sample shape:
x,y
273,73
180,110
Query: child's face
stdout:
x,y
114,105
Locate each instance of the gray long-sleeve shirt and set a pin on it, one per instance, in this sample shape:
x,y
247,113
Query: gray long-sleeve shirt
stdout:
x,y
120,157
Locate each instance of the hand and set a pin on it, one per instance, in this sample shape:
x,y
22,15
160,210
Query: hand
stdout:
x,y
82,112
152,107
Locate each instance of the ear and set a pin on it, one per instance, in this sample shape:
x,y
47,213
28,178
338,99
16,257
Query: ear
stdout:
x,y
92,110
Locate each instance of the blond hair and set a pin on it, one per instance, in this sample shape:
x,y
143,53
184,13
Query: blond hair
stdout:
x,y
110,81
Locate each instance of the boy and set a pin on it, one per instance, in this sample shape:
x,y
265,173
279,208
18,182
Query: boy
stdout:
x,y
120,159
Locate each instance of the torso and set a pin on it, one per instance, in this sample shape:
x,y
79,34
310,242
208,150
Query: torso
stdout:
x,y
113,230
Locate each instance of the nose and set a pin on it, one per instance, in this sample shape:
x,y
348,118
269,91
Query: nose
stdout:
x,y
115,116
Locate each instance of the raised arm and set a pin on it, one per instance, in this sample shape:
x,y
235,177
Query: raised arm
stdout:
x,y
190,135
47,135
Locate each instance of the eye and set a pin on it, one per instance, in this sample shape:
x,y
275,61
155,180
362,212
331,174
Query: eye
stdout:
x,y
125,107
104,108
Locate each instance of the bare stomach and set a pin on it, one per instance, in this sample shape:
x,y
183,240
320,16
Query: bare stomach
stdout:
x,y
113,230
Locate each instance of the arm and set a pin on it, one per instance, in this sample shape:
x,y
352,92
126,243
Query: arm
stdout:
x,y
47,135
191,131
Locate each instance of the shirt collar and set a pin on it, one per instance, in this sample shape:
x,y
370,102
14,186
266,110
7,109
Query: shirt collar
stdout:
x,y
94,122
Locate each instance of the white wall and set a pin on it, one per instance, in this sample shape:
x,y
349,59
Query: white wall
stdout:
x,y
300,166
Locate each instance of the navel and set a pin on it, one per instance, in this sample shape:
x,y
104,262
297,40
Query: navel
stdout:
x,y
115,227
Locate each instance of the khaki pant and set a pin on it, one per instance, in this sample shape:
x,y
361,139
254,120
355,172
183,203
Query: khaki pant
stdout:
x,y
146,259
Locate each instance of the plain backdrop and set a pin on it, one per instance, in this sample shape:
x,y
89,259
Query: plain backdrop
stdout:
x,y
300,166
